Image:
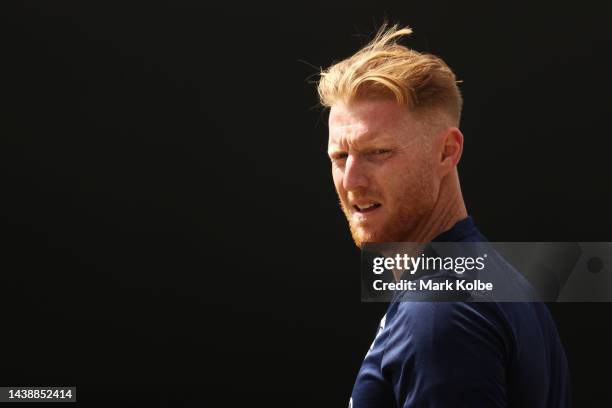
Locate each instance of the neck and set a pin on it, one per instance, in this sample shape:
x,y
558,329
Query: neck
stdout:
x,y
447,211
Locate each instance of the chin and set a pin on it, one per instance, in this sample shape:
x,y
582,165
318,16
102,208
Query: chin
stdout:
x,y
362,236
384,233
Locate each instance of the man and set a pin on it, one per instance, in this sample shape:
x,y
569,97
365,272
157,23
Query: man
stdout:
x,y
394,144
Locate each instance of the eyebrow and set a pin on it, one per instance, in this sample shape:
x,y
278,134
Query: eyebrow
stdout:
x,y
372,138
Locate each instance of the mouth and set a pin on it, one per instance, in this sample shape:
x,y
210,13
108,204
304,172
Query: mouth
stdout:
x,y
366,208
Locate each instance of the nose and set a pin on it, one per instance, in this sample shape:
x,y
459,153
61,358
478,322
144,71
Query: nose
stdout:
x,y
354,177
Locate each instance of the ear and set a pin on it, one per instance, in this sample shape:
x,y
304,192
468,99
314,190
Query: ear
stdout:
x,y
451,148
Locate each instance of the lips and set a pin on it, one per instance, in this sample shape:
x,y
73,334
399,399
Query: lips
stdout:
x,y
366,207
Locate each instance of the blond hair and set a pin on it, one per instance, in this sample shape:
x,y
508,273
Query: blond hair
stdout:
x,y
386,69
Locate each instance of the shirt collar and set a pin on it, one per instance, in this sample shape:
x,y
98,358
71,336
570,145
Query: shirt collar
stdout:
x,y
458,232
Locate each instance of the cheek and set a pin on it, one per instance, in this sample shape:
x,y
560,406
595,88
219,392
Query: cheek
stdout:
x,y
394,179
337,177
405,184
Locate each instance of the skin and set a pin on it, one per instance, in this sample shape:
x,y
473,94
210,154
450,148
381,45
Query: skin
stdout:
x,y
405,164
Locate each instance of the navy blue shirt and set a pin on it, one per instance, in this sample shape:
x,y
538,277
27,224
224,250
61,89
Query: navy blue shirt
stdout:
x,y
464,354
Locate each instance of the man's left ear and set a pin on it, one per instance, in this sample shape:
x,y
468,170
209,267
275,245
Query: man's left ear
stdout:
x,y
451,149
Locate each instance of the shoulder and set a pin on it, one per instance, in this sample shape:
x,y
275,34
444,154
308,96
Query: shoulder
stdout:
x,y
448,352
447,315
451,325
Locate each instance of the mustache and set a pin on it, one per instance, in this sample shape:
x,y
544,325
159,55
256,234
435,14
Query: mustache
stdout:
x,y
370,195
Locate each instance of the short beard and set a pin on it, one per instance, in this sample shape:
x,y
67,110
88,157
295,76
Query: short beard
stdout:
x,y
405,221
395,229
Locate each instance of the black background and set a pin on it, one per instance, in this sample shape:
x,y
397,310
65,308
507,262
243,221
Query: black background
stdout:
x,y
171,233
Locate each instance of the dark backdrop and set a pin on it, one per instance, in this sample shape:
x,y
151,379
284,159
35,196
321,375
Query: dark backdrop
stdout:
x,y
171,233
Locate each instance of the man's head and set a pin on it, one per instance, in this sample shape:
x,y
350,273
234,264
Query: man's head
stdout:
x,y
393,137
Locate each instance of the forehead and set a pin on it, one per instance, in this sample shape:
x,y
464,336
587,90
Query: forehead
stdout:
x,y
366,120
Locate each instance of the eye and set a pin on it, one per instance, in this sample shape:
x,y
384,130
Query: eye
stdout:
x,y
338,157
378,153
381,151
